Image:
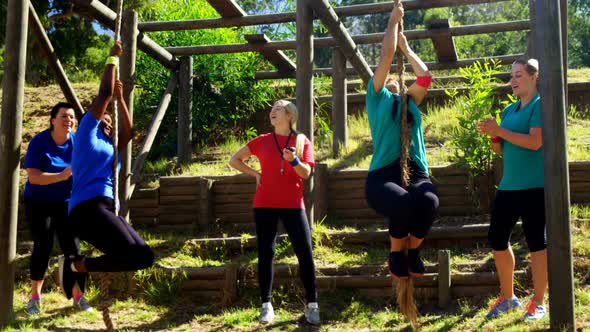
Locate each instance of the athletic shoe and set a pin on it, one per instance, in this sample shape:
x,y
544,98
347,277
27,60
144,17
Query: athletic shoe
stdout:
x,y
501,306
82,304
534,311
267,314
312,313
33,307
398,264
415,264
67,278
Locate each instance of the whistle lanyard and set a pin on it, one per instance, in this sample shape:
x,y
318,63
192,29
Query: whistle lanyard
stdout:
x,y
274,135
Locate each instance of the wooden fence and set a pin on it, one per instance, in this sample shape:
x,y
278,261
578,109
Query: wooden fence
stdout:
x,y
226,201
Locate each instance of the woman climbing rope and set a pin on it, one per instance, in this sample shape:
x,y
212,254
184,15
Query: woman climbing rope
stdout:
x,y
398,185
286,159
521,192
47,192
92,215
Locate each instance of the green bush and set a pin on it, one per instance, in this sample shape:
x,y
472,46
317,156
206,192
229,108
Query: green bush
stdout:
x,y
471,148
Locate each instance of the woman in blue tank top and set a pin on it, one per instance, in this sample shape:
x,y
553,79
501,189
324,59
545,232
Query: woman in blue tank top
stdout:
x,y
92,214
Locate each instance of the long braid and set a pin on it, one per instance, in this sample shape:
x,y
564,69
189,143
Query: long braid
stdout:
x,y
404,129
106,278
405,287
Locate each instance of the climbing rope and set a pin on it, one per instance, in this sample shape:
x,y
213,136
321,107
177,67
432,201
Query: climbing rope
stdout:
x,y
405,287
106,278
106,299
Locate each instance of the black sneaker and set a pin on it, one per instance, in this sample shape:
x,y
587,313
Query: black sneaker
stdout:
x,y
415,264
67,277
398,265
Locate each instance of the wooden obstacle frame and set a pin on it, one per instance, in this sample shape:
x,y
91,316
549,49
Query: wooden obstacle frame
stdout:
x,y
547,24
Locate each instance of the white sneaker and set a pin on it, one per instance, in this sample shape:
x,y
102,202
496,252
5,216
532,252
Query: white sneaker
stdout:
x,y
267,314
312,313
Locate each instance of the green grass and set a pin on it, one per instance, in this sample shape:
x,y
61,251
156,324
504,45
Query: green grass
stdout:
x,y
341,310
160,305
437,126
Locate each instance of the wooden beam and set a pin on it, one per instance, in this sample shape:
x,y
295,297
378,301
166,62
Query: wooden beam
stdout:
x,y
443,41
185,105
54,63
504,59
152,131
350,72
304,83
278,58
13,87
227,8
340,33
339,102
105,16
344,11
373,38
557,199
127,72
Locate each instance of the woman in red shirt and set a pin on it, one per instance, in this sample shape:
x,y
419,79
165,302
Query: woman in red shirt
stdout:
x,y
286,159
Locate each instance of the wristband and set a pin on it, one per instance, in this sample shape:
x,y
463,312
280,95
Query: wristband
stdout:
x,y
295,162
424,81
112,60
496,139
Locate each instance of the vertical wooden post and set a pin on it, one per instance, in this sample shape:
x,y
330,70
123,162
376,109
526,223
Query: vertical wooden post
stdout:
x,y
444,278
53,62
557,200
127,71
339,102
563,9
320,179
532,34
304,75
185,105
13,88
230,285
205,206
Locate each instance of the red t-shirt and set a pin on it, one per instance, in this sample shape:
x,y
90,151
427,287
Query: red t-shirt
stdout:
x,y
278,190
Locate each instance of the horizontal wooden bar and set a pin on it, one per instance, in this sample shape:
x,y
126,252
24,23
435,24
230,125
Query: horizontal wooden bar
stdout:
x,y
326,42
344,11
504,59
198,273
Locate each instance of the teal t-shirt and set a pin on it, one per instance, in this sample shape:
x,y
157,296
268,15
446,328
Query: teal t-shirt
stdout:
x,y
523,168
385,131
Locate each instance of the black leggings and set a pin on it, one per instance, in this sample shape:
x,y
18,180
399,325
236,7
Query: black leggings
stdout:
x,y
297,227
410,211
95,222
509,205
46,220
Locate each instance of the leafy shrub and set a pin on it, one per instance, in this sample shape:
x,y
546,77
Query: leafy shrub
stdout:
x,y
225,94
471,147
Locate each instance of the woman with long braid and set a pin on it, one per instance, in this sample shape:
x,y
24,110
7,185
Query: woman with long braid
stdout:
x,y
92,215
286,159
408,204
